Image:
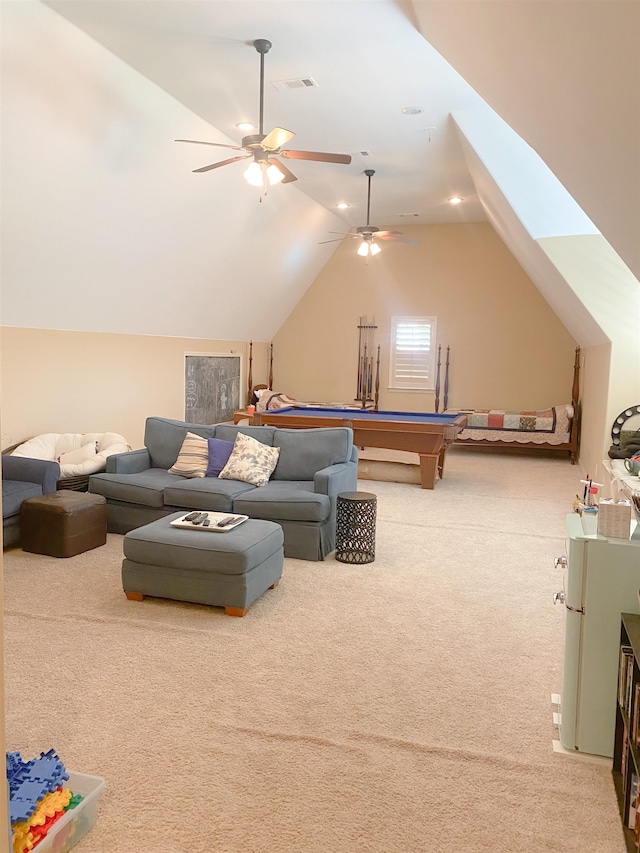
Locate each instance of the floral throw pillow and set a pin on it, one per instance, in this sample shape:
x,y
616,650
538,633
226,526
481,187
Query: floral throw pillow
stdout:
x,y
251,461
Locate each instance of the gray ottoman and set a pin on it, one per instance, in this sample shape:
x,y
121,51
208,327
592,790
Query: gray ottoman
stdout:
x,y
226,569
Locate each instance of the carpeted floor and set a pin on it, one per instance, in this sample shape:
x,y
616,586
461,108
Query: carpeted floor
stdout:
x,y
398,707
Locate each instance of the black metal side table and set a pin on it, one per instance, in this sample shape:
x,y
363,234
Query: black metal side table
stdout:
x,y
356,527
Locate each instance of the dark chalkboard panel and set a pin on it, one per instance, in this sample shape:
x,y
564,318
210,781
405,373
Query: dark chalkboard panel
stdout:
x,y
211,388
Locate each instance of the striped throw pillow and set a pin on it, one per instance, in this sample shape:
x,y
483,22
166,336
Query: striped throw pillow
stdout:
x,y
193,458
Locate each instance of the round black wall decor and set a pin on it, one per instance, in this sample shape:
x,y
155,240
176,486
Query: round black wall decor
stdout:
x,y
619,422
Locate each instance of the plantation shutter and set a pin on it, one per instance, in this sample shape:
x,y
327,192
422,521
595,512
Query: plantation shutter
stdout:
x,y
412,363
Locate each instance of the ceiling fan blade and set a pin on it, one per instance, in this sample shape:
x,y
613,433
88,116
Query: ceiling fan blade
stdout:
x,y
336,240
288,174
386,233
222,163
215,144
394,239
320,156
275,138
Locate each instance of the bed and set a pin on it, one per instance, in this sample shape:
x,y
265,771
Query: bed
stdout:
x,y
554,429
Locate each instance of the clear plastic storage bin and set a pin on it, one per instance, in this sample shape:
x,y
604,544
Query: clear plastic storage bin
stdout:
x,y
74,824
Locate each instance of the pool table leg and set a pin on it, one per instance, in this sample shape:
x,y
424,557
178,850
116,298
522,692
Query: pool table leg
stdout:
x,y
441,463
428,470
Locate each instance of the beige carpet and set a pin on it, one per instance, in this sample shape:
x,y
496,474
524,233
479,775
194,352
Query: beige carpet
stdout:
x,y
398,707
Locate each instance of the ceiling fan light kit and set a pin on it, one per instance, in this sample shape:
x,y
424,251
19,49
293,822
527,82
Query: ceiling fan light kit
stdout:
x,y
368,248
266,170
259,174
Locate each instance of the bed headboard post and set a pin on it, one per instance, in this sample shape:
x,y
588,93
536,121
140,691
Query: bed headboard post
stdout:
x,y
377,394
437,400
270,380
446,383
250,376
575,402
575,388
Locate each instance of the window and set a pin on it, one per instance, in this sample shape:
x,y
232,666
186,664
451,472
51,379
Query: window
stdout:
x,y
413,353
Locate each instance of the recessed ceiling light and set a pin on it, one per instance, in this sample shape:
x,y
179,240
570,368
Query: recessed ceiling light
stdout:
x,y
342,205
455,200
245,125
412,111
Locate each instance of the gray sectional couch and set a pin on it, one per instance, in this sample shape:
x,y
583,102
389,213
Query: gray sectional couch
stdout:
x,y
314,466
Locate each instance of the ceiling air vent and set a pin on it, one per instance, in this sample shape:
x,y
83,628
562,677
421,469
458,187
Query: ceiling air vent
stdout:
x,y
296,83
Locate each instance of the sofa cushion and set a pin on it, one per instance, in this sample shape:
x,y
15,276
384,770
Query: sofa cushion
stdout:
x,y
303,452
163,438
145,488
284,501
219,453
261,433
193,457
14,492
251,461
208,493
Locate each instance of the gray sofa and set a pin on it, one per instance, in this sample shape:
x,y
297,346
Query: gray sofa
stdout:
x,y
23,478
314,466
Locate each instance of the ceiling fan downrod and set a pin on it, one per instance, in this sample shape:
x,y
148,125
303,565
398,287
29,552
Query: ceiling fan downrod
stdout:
x,y
369,173
262,46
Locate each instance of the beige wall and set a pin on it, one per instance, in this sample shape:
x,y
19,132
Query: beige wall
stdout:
x,y
508,348
596,363
57,381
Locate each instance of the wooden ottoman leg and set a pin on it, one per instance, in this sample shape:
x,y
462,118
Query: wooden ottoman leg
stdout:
x,y
274,585
236,611
134,596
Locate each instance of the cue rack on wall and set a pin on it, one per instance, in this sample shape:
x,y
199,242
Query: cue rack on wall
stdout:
x,y
365,382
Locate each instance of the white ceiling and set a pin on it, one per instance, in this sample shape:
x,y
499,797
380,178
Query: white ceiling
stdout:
x,y
368,60
96,96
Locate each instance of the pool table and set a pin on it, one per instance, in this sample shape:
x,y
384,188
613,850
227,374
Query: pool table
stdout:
x,y
426,434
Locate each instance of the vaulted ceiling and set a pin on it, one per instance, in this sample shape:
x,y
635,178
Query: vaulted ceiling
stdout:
x,y
96,91
564,75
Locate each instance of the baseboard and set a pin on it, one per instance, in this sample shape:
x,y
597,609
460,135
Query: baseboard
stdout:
x,y
559,749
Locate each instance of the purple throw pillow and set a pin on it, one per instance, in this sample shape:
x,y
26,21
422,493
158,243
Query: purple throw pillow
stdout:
x,y
219,453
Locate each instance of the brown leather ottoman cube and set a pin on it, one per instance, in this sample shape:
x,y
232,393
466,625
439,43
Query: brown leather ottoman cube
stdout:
x,y
63,524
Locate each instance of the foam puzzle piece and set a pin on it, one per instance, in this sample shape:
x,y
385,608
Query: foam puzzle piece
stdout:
x,y
31,781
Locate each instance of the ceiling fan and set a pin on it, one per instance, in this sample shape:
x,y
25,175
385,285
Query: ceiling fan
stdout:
x,y
265,168
370,233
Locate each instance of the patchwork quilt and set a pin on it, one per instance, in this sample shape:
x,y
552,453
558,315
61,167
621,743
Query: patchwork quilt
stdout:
x,y
496,419
549,427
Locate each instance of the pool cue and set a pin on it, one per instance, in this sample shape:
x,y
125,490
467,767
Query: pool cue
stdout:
x,y
375,402
446,383
437,401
